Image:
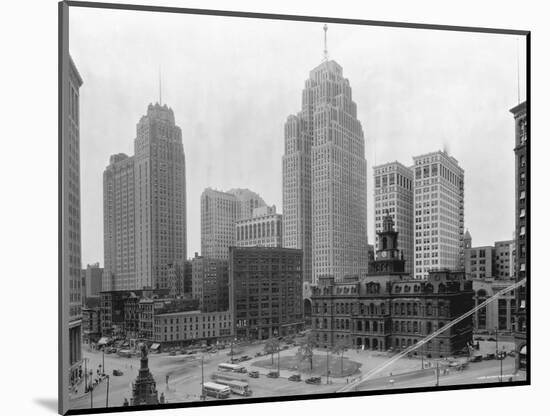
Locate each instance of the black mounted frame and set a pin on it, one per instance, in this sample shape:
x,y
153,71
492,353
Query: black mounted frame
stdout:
x,y
63,62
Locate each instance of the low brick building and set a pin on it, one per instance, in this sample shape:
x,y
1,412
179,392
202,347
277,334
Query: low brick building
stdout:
x,y
388,309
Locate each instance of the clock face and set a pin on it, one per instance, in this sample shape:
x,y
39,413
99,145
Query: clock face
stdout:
x,y
384,254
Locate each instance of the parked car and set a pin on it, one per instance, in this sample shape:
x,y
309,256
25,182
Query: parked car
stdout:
x,y
245,358
258,354
491,339
478,339
314,380
285,347
172,353
295,377
476,358
273,374
490,356
254,374
117,372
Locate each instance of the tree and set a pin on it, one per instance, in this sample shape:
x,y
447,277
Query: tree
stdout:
x,y
305,350
340,347
271,347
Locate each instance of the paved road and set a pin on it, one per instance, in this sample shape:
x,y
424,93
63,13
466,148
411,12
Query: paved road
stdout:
x,y
475,373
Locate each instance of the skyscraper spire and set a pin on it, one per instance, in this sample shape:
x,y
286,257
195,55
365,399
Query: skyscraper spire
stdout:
x,y
325,52
160,86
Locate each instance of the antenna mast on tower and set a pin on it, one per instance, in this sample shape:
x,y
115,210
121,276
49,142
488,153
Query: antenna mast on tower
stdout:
x,y
325,52
160,86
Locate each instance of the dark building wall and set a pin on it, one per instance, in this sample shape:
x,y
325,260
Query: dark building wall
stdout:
x,y
522,237
379,312
265,291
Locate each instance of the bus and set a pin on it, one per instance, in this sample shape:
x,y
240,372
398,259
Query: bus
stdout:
x,y
236,368
227,376
219,391
236,386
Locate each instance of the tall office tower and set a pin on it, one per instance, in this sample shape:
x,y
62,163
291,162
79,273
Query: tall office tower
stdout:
x,y
247,202
160,201
325,178
119,224
438,213
297,231
263,229
522,238
219,213
70,228
393,195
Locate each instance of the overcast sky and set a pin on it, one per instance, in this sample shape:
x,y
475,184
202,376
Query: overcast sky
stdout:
x,y
233,81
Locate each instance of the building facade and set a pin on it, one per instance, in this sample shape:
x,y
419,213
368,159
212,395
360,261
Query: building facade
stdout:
x,y
144,206
263,229
325,178
183,328
522,238
393,194
479,262
387,309
265,291
70,228
438,213
504,259
93,276
219,213
119,226
210,278
497,315
160,197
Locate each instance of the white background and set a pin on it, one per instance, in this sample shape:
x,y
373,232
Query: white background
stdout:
x,y
28,137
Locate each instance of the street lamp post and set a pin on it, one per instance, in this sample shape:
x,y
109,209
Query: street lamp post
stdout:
x,y
107,397
103,365
202,377
437,374
328,371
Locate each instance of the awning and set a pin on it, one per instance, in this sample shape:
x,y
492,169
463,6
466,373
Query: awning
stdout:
x,y
103,341
155,346
523,350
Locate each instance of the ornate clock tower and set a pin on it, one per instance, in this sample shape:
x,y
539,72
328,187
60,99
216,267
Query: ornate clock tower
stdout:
x,y
388,257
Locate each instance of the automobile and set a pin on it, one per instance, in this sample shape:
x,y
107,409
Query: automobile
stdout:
x,y
478,339
245,358
285,347
512,354
273,374
489,356
491,339
258,354
476,358
295,377
254,374
314,380
172,353
213,350
117,372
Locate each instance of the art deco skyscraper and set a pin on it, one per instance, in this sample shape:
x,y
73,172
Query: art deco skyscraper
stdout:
x,y
438,213
160,199
325,178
